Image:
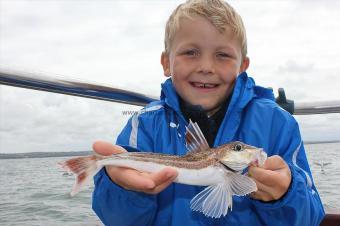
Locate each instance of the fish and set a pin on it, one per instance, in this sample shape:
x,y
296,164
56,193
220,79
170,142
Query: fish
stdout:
x,y
220,169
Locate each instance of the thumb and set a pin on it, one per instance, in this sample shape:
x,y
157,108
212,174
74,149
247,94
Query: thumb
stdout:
x,y
274,162
106,148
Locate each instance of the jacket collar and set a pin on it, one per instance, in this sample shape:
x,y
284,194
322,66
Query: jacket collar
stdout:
x,y
170,96
243,92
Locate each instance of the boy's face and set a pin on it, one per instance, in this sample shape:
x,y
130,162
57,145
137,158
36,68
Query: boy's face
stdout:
x,y
203,63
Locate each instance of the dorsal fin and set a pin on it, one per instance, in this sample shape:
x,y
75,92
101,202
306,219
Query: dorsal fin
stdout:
x,y
195,140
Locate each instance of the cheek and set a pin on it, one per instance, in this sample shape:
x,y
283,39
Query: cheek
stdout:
x,y
229,77
229,72
178,69
179,84
180,66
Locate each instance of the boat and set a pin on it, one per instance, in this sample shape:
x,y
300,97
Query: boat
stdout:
x,y
107,93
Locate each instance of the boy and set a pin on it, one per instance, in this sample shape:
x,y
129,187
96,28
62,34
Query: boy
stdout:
x,y
206,57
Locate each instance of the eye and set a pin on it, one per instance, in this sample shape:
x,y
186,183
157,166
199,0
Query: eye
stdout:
x,y
223,55
238,147
191,52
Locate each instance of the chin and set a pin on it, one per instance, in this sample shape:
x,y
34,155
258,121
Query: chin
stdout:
x,y
209,107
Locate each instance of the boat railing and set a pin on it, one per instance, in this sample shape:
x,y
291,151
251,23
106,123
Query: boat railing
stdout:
x,y
38,81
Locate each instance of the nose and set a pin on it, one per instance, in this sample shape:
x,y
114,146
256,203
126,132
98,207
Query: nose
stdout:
x,y
206,65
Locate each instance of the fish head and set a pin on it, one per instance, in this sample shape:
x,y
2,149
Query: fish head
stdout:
x,y
237,156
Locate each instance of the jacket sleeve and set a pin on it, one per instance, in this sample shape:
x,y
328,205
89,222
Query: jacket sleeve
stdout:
x,y
115,205
301,205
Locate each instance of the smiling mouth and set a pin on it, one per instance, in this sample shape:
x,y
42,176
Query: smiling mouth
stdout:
x,y
203,85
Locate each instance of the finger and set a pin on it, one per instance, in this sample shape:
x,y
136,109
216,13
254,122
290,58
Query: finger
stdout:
x,y
151,183
130,179
274,187
264,176
106,148
162,179
274,162
261,195
163,176
162,186
262,187
271,193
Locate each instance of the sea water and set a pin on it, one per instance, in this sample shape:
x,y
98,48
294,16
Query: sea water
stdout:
x,y
34,191
327,178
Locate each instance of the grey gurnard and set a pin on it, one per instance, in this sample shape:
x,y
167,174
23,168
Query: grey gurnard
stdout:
x,y
219,168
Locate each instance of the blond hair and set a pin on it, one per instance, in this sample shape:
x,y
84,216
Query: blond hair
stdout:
x,y
218,12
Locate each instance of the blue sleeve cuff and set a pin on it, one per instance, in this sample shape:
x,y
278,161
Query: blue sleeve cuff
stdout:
x,y
138,199
286,198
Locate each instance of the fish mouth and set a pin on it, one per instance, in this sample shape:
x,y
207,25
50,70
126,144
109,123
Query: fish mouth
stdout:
x,y
259,157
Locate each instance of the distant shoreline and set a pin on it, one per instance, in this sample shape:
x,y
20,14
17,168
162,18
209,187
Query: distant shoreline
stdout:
x,y
43,154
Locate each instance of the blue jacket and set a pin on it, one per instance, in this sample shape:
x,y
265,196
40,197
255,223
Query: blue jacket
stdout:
x,y
252,117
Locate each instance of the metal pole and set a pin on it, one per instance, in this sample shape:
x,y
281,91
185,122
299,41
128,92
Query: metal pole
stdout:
x,y
317,107
108,93
72,87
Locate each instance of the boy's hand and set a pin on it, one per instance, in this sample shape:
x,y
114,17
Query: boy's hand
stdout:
x,y
272,180
130,179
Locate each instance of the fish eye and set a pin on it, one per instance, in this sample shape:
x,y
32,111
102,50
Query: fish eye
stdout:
x,y
237,147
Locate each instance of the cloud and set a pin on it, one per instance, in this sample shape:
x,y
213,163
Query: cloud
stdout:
x,y
320,127
55,122
292,66
292,44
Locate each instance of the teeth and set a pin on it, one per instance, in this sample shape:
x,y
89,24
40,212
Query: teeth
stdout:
x,y
209,86
204,85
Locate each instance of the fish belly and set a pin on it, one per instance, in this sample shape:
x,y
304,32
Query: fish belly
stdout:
x,y
202,177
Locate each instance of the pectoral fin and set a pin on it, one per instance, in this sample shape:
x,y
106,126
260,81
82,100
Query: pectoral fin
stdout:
x,y
241,185
215,200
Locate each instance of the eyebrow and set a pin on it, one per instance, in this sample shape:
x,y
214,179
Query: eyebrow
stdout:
x,y
228,48
225,47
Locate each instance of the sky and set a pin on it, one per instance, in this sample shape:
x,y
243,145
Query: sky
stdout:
x,y
292,44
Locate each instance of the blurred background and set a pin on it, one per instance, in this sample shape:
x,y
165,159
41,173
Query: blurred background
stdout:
x,y
292,44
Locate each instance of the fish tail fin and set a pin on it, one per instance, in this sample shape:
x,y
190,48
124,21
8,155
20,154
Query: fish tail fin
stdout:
x,y
84,168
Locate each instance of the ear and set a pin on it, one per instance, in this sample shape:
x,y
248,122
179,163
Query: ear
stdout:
x,y
165,61
245,64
